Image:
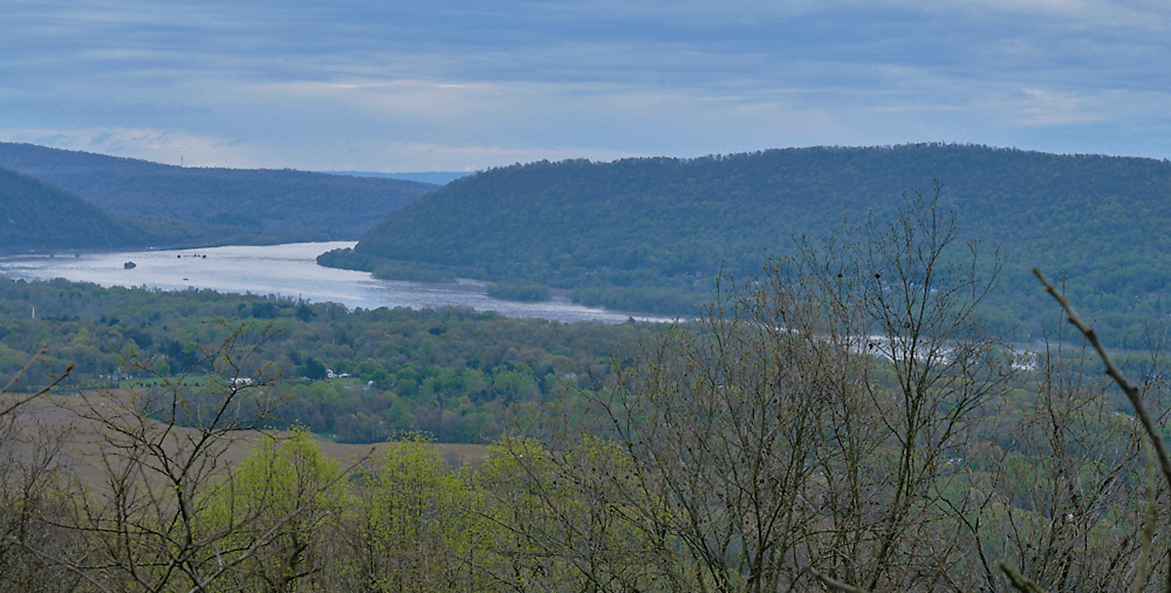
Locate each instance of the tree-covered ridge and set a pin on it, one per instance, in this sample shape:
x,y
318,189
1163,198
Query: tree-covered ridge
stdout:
x,y
42,217
652,234
223,204
35,215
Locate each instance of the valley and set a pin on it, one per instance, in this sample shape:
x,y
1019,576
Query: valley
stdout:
x,y
204,376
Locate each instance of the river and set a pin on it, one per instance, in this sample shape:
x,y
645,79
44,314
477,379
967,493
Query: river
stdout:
x,y
288,270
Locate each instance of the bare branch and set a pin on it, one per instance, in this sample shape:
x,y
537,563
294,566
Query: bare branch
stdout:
x,y
1131,390
836,585
16,378
1019,582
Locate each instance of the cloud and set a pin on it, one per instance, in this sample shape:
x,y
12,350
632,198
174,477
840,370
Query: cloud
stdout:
x,y
311,85
146,144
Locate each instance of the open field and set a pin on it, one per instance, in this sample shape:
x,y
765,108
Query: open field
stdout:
x,y
81,452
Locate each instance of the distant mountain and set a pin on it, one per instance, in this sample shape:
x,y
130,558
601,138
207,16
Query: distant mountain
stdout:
x,y
38,216
436,177
220,204
651,234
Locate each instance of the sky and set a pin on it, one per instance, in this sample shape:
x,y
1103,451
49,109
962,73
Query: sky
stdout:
x,y
451,85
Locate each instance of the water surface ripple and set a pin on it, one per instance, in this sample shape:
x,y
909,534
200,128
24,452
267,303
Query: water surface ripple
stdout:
x,y
288,270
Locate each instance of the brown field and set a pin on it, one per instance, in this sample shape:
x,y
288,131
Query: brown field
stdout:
x,y
81,452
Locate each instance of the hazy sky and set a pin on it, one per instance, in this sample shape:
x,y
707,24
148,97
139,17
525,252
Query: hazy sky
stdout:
x,y
453,85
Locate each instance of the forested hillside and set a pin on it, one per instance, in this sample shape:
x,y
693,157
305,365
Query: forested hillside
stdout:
x,y
35,215
263,206
652,234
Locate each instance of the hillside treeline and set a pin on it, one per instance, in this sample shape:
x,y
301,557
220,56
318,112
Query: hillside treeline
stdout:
x,y
652,234
35,216
775,443
216,205
42,217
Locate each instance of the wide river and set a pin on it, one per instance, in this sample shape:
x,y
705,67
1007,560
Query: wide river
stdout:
x,y
288,270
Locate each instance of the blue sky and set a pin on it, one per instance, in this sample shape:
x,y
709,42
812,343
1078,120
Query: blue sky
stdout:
x,y
461,86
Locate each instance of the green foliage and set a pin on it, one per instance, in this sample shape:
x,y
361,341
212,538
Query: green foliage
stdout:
x,y
663,300
451,372
653,234
756,449
280,506
569,524
713,442
421,523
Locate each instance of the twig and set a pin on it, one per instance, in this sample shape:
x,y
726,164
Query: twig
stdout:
x,y
1132,391
1018,581
836,585
19,374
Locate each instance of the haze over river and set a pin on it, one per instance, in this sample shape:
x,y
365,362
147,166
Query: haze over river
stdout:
x,y
288,270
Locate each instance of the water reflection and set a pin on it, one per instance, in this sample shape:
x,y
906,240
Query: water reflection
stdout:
x,y
288,270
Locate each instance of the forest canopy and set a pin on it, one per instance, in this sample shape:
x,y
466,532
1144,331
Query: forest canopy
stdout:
x,y
652,234
356,375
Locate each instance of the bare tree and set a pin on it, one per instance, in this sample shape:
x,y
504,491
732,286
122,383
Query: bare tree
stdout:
x,y
1096,529
799,433
163,453
30,467
160,452
554,521
941,365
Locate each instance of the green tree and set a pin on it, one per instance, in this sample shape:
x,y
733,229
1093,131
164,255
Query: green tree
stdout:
x,y
282,508
315,369
421,525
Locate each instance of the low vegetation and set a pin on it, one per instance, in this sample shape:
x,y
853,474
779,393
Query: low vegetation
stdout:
x,y
519,292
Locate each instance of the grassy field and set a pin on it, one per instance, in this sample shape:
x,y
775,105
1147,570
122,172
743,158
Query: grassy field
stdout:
x,y
82,439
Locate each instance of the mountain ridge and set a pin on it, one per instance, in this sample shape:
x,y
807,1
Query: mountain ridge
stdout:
x,y
651,234
219,204
35,216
